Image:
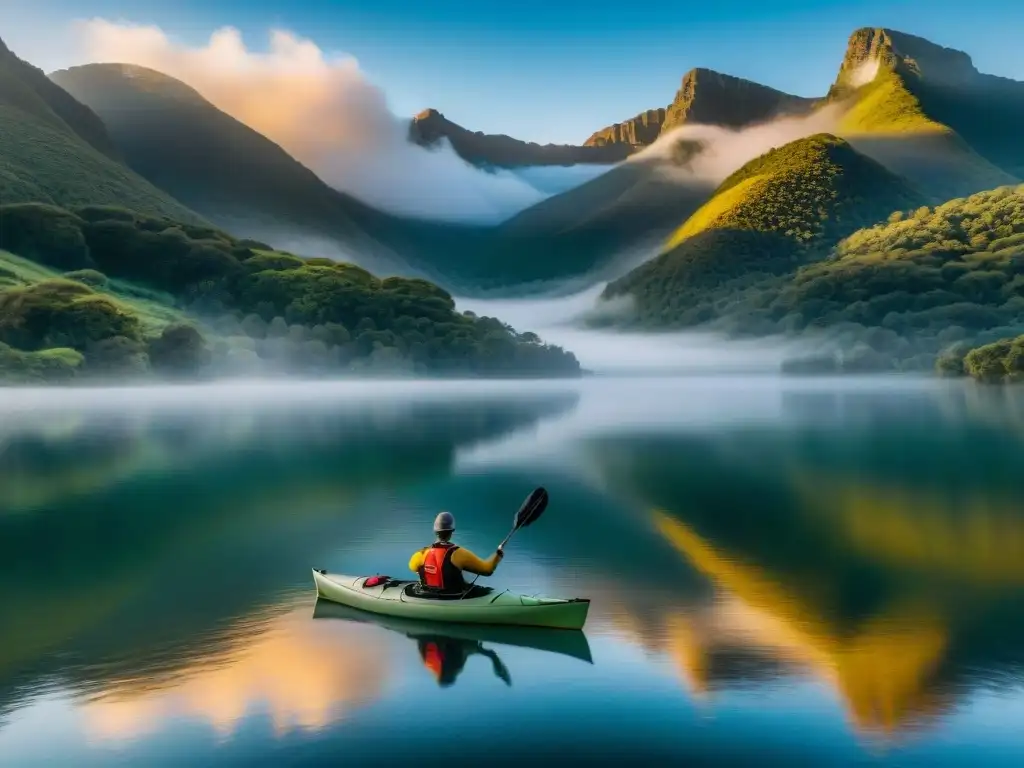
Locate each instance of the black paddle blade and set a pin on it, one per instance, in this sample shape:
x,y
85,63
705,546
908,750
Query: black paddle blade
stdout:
x,y
532,508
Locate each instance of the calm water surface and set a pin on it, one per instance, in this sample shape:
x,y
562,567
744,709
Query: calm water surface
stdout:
x,y
782,572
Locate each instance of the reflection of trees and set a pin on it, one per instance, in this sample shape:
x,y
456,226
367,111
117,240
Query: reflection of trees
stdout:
x,y
227,516
886,560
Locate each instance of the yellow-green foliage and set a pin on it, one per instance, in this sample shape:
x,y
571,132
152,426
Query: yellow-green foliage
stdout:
x,y
155,310
965,256
61,313
800,190
885,105
1000,361
48,365
768,217
984,228
719,210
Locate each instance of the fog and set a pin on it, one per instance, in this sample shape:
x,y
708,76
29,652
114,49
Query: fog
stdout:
x,y
325,111
560,320
725,150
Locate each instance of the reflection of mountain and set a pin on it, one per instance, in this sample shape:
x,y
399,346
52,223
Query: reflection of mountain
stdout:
x,y
886,562
301,678
249,499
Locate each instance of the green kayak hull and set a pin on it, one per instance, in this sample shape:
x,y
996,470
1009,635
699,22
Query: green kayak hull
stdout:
x,y
495,607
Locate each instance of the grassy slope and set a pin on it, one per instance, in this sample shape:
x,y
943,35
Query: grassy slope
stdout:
x,y
155,309
767,218
55,150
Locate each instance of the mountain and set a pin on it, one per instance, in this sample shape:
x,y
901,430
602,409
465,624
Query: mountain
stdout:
x,y
56,150
773,214
497,150
219,166
925,112
704,97
244,182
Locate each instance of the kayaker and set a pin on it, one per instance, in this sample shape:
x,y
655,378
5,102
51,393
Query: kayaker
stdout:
x,y
440,565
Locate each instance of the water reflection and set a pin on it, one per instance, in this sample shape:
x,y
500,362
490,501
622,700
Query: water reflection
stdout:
x,y
296,678
190,521
885,563
444,649
818,570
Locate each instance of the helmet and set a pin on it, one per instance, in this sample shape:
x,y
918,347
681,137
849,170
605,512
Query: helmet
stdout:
x,y
445,521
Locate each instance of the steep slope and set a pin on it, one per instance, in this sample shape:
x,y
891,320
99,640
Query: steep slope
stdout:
x,y
56,150
773,214
497,150
230,173
704,97
928,114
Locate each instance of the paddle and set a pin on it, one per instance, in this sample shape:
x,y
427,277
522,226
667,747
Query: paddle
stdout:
x,y
528,514
531,510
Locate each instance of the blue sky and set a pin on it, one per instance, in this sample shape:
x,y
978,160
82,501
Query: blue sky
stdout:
x,y
551,70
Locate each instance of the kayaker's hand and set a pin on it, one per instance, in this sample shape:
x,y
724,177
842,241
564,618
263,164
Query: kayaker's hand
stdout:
x,y
499,553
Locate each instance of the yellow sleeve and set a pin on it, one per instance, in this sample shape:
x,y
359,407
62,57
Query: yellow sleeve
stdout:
x,y
467,561
416,561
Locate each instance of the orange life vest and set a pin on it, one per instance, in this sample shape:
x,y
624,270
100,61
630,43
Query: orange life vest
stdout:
x,y
438,572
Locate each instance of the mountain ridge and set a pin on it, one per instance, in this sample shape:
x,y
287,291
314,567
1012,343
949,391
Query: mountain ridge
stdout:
x,y
56,150
708,97
429,127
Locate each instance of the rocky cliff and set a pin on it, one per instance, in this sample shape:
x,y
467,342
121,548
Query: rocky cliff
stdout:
x,y
707,97
498,150
640,131
871,48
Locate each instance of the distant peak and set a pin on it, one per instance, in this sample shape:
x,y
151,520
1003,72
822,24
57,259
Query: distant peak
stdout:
x,y
429,114
900,51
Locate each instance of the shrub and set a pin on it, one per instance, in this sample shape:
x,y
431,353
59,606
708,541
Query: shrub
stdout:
x,y
179,351
49,365
61,313
45,234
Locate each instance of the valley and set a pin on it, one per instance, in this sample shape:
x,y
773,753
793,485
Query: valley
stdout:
x,y
878,224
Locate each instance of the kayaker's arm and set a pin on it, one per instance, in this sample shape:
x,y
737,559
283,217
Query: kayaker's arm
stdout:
x,y
465,560
416,561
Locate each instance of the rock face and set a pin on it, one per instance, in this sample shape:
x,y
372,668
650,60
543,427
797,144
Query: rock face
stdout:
x,y
640,131
712,98
707,97
906,54
498,150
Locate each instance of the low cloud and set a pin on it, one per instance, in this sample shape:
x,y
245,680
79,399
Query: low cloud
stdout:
x,y
325,112
863,73
718,151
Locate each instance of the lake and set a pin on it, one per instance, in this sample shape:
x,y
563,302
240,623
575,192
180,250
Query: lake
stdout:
x,y
782,571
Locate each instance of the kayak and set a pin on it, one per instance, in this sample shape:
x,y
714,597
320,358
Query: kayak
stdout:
x,y
482,605
565,642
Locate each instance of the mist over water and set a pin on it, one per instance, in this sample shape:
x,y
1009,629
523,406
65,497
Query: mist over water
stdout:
x,y
559,320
